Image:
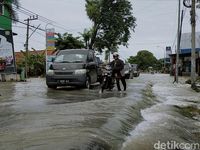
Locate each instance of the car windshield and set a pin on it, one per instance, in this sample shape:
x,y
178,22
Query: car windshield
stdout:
x,y
71,57
126,66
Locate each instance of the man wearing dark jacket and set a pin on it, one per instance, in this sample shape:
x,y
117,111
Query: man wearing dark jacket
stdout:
x,y
117,68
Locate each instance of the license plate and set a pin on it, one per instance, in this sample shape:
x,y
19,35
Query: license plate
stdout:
x,y
64,81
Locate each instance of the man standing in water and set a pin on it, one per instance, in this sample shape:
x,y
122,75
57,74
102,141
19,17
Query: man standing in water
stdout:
x,y
117,71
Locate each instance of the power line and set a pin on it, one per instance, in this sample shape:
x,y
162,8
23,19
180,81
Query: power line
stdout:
x,y
18,26
41,18
21,22
28,12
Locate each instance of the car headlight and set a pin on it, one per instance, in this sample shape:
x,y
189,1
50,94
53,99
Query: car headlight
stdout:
x,y
80,71
126,72
50,72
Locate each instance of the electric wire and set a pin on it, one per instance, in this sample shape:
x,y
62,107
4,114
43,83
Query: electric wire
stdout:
x,y
41,18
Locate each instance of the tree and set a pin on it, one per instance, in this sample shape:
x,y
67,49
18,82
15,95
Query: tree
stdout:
x,y
144,59
86,35
113,22
67,41
8,6
159,65
36,63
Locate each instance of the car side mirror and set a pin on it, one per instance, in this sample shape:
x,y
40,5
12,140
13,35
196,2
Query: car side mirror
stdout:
x,y
90,59
53,59
91,65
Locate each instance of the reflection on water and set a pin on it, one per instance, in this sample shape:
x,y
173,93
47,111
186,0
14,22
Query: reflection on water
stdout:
x,y
33,117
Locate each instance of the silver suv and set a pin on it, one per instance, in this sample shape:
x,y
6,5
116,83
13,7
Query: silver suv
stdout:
x,y
73,67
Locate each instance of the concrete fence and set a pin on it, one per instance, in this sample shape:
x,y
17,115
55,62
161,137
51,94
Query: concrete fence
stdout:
x,y
9,77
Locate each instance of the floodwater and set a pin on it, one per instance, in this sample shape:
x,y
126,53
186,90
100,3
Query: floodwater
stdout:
x,y
152,111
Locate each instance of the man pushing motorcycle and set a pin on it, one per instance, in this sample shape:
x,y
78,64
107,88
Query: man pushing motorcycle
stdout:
x,y
117,66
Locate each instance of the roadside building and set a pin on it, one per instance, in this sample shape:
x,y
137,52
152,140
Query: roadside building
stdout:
x,y
185,55
6,42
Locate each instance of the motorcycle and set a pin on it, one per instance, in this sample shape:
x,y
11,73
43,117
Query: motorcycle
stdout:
x,y
107,79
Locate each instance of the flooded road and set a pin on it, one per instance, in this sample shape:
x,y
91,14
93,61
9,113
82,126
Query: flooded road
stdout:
x,y
153,110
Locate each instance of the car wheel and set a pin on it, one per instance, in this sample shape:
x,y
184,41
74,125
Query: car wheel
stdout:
x,y
52,86
88,83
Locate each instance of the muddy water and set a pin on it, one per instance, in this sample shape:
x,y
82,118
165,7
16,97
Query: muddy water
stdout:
x,y
153,109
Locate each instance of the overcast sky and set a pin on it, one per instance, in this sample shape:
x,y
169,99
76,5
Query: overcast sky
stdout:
x,y
156,23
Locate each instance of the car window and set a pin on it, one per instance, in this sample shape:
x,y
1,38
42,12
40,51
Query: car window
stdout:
x,y
59,58
71,57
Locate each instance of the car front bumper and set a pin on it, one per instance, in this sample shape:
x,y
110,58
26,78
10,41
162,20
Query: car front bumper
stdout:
x,y
66,80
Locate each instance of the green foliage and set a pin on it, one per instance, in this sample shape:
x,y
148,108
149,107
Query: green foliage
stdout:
x,y
144,59
86,35
35,62
113,22
67,41
159,65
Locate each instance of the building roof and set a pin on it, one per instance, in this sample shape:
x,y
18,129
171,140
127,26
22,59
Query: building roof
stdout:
x,y
20,55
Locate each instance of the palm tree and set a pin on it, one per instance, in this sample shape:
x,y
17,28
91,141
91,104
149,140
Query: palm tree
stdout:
x,y
86,35
9,7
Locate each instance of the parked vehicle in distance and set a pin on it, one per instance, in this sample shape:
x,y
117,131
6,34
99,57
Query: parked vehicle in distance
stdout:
x,y
135,70
150,69
128,71
73,67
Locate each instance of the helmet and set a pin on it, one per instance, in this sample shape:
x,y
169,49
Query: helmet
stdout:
x,y
115,54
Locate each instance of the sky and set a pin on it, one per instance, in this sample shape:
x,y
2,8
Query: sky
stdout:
x,y
156,24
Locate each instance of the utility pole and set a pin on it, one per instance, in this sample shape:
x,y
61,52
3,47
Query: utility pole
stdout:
x,y
178,43
193,52
27,42
164,59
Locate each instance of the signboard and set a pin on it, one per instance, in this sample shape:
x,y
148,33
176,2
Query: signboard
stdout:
x,y
7,62
168,53
50,39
